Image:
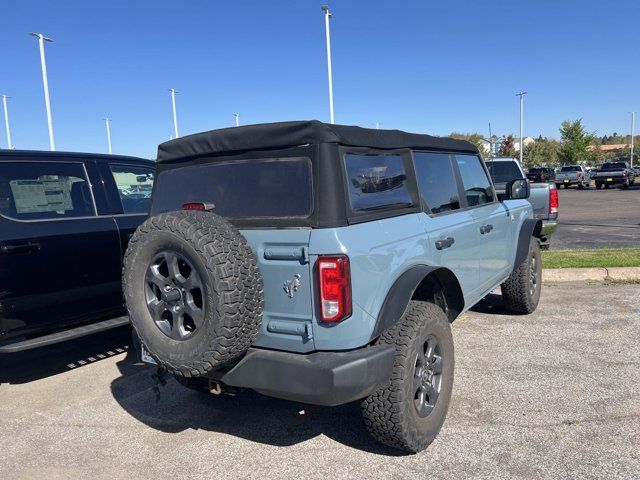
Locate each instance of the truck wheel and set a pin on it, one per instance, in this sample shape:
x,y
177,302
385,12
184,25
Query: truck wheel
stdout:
x,y
408,410
606,186
558,185
598,185
625,185
580,186
521,291
193,291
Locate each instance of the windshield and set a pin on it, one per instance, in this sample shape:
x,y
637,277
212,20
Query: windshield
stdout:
x,y
503,172
614,166
570,168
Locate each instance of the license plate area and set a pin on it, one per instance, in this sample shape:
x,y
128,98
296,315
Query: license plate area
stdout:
x,y
145,357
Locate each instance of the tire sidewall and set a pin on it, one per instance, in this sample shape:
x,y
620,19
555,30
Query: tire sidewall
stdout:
x,y
534,252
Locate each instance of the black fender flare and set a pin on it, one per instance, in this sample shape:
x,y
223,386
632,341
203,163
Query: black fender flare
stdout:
x,y
530,228
403,289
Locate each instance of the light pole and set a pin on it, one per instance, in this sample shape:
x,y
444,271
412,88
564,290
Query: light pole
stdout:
x,y
633,121
107,121
377,125
175,115
237,115
521,95
327,16
6,121
45,82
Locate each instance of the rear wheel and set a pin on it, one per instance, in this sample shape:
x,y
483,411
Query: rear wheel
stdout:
x,y
521,291
606,186
626,184
580,186
408,410
598,185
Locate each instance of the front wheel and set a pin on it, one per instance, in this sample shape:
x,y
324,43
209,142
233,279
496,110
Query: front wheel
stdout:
x,y
408,410
521,291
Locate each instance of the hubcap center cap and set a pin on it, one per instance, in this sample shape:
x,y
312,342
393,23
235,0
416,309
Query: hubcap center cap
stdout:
x,y
171,295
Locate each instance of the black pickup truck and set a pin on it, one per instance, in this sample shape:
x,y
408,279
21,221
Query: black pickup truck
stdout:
x,y
541,175
65,222
613,173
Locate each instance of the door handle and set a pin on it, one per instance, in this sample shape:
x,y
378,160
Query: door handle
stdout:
x,y
20,248
486,228
445,243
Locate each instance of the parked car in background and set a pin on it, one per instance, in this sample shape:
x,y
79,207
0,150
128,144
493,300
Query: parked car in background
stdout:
x,y
65,222
573,175
614,173
541,174
543,198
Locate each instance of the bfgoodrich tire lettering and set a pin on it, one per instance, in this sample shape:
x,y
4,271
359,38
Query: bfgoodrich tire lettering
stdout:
x,y
231,290
521,291
392,413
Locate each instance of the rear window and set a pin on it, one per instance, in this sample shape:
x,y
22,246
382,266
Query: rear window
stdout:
x,y
376,182
503,172
614,166
537,170
256,188
44,191
571,168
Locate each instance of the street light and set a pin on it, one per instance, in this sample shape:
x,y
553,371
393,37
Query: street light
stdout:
x,y
521,95
633,121
327,16
175,116
237,115
45,82
6,121
107,121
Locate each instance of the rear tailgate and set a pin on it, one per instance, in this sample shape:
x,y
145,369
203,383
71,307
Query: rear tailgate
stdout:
x,y
539,200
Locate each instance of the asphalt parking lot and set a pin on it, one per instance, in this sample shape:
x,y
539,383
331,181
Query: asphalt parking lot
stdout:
x,y
598,218
549,395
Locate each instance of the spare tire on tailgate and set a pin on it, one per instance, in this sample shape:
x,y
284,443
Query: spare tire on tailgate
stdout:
x,y
193,291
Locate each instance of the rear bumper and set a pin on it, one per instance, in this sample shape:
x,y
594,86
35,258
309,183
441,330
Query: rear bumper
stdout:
x,y
611,180
319,378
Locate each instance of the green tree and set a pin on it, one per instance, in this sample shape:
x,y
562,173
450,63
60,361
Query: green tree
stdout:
x,y
574,142
475,138
507,147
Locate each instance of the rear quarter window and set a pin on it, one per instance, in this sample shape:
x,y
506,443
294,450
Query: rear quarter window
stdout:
x,y
376,182
240,189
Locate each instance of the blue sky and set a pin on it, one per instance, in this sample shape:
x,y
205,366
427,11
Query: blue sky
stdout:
x,y
432,67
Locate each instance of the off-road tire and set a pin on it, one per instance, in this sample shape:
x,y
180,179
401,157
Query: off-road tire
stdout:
x,y
517,294
389,413
232,290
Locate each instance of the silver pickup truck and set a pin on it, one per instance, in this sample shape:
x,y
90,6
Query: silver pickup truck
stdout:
x,y
543,198
573,175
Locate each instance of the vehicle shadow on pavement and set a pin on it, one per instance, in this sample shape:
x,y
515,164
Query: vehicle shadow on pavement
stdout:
x,y
172,408
491,304
39,363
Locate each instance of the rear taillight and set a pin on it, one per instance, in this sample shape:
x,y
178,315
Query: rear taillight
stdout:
x,y
198,206
334,279
624,173
542,177
579,174
554,201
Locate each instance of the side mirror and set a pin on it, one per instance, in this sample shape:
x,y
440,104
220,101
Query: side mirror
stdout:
x,y
517,189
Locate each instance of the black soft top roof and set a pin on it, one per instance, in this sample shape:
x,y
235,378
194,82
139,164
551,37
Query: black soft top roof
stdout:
x,y
287,134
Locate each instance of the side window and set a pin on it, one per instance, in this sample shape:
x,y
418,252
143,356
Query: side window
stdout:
x,y
44,191
376,182
477,187
134,186
436,181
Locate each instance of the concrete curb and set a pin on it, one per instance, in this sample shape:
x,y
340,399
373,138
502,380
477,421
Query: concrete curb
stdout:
x,y
615,274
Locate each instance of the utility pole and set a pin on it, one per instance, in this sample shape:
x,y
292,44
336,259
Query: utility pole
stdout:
x,y
45,82
237,115
6,122
377,125
175,115
633,121
490,141
107,121
327,16
521,95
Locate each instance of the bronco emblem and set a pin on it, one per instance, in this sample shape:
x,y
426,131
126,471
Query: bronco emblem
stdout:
x,y
291,286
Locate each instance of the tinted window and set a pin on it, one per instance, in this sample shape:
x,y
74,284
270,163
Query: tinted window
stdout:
x,y
276,187
614,166
134,186
43,190
503,172
376,182
537,170
477,187
436,181
570,168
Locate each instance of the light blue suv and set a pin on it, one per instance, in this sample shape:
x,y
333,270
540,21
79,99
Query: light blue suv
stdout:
x,y
324,264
